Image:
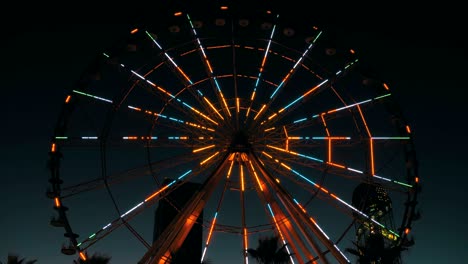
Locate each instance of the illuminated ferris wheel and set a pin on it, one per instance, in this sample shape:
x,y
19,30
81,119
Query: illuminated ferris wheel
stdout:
x,y
239,126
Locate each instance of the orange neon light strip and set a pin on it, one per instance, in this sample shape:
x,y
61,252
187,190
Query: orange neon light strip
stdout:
x,y
263,63
273,115
287,76
57,202
256,176
258,181
203,115
212,107
408,129
210,157
286,166
68,99
302,208
371,143
245,238
323,189
364,121
225,104
204,148
230,168
53,148
156,193
329,140
242,177
211,231
83,256
134,31
261,110
266,154
386,86
336,165
177,13
311,90
247,113
337,138
183,74
253,96
277,227
209,65
170,95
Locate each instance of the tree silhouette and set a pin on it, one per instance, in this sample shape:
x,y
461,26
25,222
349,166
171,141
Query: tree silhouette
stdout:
x,y
375,251
269,251
15,259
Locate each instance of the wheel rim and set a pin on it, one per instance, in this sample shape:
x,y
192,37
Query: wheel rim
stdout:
x,y
249,108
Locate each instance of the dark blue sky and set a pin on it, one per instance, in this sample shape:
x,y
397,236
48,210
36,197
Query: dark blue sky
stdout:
x,y
424,60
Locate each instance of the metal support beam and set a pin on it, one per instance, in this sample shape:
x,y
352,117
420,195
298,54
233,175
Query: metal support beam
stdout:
x,y
301,218
175,233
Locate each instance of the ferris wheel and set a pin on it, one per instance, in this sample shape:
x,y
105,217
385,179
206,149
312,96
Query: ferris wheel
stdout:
x,y
201,134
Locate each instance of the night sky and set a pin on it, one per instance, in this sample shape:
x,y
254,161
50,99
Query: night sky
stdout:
x,y
422,57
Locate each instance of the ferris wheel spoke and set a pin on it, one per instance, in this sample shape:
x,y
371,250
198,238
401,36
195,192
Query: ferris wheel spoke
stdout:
x,y
242,204
213,79
261,69
300,218
180,105
118,222
291,106
278,218
314,221
287,77
332,113
359,214
121,177
333,167
169,98
148,202
293,69
188,83
164,118
218,208
177,140
186,219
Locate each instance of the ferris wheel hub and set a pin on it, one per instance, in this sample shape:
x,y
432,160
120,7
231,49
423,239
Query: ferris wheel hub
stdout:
x,y
240,142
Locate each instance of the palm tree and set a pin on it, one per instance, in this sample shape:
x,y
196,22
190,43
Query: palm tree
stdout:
x,y
375,251
95,259
269,251
15,259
